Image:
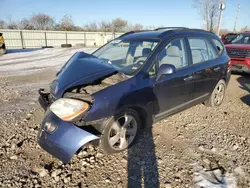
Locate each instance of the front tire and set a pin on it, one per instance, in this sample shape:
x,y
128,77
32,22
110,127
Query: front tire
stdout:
x,y
120,132
217,95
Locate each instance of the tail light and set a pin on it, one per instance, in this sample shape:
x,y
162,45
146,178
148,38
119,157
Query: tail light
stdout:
x,y
229,67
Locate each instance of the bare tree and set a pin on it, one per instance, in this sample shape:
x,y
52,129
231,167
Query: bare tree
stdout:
x,y
105,26
135,27
224,31
91,27
26,24
246,28
119,24
45,22
151,27
11,24
2,24
42,21
66,23
77,28
209,11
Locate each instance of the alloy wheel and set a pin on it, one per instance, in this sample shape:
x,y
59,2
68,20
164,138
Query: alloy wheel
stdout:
x,y
122,132
219,94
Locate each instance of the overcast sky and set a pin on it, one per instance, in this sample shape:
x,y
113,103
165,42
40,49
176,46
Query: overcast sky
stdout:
x,y
145,12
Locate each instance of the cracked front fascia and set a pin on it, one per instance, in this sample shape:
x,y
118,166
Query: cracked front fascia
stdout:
x,y
84,93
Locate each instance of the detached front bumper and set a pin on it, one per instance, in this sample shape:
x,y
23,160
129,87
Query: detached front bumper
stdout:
x,y
65,140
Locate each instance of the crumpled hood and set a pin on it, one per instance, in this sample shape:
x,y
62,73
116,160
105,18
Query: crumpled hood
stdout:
x,y
81,69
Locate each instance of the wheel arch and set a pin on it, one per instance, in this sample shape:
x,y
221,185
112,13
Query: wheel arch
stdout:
x,y
145,118
224,78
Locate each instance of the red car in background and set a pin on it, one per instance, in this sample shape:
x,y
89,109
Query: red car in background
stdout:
x,y
227,38
239,52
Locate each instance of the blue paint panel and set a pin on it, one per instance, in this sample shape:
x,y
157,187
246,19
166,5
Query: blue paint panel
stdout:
x,y
65,141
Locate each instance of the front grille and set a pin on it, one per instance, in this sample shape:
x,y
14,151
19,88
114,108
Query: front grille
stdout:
x,y
240,53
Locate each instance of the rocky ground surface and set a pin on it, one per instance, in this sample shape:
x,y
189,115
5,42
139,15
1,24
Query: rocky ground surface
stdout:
x,y
200,147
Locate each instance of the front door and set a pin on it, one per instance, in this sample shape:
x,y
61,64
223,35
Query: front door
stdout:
x,y
173,92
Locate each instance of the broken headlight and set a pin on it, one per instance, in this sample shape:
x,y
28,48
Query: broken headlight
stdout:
x,y
69,109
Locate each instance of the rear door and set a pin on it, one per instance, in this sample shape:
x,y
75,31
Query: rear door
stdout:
x,y
206,66
173,92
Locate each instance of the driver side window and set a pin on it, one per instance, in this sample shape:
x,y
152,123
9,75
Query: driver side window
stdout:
x,y
174,53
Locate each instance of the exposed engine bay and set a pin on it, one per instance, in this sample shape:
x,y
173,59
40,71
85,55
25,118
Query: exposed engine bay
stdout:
x,y
84,92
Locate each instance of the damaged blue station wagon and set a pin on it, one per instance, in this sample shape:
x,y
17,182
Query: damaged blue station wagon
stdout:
x,y
130,83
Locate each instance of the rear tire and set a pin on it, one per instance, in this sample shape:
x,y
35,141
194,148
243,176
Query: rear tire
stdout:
x,y
217,96
120,132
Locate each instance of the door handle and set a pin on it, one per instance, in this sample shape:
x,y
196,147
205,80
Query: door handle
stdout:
x,y
217,69
189,78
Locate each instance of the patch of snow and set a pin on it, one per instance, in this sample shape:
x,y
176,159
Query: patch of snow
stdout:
x,y
22,63
213,178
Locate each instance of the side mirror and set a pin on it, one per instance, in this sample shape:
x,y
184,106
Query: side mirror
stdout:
x,y
165,69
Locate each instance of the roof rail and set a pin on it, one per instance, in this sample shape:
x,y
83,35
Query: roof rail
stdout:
x,y
176,28
201,30
130,32
126,34
170,28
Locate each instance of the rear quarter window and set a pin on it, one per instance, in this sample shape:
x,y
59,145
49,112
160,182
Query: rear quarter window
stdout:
x,y
201,50
218,46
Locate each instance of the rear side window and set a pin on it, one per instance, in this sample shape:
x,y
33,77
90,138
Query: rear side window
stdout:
x,y
246,40
218,45
201,50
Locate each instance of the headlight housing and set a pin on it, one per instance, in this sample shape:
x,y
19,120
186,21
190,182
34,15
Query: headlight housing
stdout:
x,y
69,109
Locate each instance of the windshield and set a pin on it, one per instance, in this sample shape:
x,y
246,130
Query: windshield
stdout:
x,y
230,37
127,55
241,39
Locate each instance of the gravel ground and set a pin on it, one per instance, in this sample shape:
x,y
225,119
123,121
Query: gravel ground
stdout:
x,y
202,146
